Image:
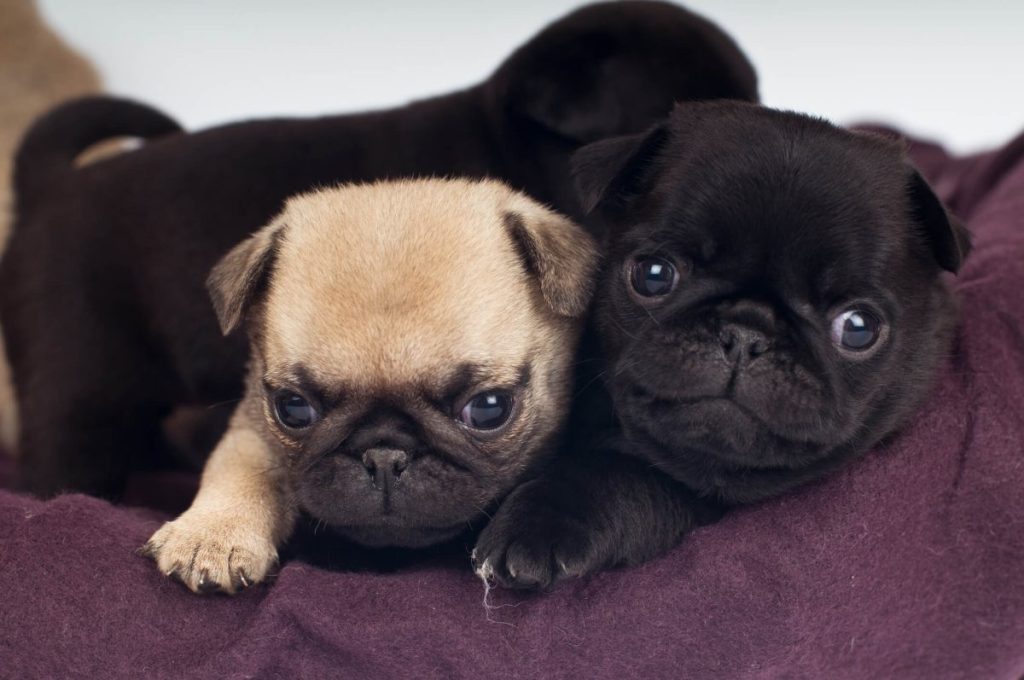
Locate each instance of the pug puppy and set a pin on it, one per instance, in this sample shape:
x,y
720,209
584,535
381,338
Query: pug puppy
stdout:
x,y
110,337
412,345
774,304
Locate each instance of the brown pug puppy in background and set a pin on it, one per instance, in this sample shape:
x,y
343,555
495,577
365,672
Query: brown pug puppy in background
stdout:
x,y
411,356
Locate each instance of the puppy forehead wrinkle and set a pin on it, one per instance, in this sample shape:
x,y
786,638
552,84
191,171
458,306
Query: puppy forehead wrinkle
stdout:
x,y
461,378
795,196
672,235
400,246
351,224
297,374
392,280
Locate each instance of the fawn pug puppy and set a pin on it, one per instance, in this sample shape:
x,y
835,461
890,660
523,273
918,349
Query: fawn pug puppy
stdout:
x,y
411,352
775,303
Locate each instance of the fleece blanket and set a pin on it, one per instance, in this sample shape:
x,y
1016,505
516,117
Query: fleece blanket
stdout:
x,y
907,564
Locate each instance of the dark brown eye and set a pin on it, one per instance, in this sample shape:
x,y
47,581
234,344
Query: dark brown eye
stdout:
x,y
856,329
653,276
293,411
487,410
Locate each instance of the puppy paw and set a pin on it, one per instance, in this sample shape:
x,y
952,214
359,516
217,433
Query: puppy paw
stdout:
x,y
210,553
535,541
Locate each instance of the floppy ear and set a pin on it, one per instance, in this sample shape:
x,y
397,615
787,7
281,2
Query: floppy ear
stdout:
x,y
948,237
614,171
574,103
612,69
558,252
241,275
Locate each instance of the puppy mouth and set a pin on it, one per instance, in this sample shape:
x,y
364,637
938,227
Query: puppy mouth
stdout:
x,y
426,502
716,424
716,427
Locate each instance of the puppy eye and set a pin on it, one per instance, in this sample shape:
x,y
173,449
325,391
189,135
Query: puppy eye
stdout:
x,y
293,411
487,410
855,329
653,276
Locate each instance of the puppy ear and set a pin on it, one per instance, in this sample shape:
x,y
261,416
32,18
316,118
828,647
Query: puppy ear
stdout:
x,y
558,252
614,171
611,69
241,275
580,112
948,237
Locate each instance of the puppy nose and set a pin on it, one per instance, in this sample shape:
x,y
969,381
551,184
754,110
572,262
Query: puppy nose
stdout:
x,y
385,466
742,344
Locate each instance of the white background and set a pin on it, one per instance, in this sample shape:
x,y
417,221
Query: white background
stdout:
x,y
948,69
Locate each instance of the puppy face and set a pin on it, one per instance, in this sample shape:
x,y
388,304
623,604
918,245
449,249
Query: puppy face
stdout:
x,y
774,301
411,347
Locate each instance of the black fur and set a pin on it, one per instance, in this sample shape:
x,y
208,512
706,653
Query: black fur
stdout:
x,y
107,324
730,389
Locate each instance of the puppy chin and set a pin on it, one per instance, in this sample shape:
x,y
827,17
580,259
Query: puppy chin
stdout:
x,y
385,535
366,522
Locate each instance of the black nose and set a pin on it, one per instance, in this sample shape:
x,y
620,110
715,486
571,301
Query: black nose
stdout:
x,y
385,466
742,344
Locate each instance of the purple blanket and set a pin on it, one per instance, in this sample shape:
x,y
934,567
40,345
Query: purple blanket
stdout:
x,y
909,564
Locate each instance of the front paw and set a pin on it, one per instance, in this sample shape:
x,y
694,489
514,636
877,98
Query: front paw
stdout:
x,y
211,553
538,537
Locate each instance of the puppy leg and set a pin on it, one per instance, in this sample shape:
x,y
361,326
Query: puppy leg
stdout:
x,y
88,451
88,414
582,514
227,540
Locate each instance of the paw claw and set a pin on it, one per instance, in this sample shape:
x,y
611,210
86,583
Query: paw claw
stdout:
x,y
206,585
484,571
211,554
533,543
240,580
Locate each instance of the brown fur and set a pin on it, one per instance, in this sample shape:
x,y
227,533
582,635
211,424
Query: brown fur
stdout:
x,y
37,70
379,292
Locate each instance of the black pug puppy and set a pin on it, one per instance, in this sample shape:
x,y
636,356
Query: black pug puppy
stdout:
x,y
107,323
773,305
